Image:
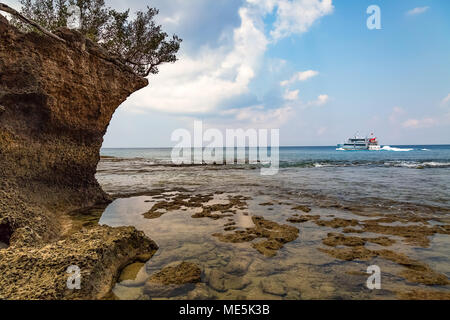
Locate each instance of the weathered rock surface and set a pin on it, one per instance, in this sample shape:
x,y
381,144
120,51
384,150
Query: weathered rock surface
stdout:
x,y
100,253
173,280
276,236
56,101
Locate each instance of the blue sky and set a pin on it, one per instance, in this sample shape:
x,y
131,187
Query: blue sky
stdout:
x,y
311,68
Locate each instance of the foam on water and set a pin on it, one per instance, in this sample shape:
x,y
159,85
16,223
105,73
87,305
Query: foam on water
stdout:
x,y
389,148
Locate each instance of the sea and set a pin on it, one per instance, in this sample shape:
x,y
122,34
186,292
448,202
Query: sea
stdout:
x,y
398,181
417,173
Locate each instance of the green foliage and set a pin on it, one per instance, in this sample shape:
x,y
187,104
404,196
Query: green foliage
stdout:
x,y
140,42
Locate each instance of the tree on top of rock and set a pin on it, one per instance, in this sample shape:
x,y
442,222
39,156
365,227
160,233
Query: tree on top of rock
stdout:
x,y
140,42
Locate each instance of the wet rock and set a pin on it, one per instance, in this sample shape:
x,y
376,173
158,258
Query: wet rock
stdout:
x,y
238,266
276,236
222,282
297,219
350,254
327,289
302,208
382,241
352,230
236,282
428,277
273,287
99,252
152,215
266,204
423,295
417,235
235,237
173,280
415,271
235,202
201,292
335,239
268,248
303,218
337,223
207,257
293,295
216,280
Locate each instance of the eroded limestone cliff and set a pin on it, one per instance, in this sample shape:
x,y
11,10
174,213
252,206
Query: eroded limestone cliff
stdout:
x,y
56,101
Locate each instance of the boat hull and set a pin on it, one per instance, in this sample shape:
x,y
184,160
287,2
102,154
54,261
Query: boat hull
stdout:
x,y
359,148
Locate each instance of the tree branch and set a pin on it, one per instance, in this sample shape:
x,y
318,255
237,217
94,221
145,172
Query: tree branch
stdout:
x,y
7,9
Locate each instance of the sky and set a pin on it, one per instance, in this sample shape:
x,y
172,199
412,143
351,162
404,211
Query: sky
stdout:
x,y
311,68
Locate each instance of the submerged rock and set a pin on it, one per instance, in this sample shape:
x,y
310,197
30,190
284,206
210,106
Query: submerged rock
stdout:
x,y
302,208
173,280
216,280
201,292
423,295
415,271
220,281
273,287
276,235
238,266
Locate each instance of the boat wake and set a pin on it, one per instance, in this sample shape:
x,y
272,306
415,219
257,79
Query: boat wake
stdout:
x,y
389,148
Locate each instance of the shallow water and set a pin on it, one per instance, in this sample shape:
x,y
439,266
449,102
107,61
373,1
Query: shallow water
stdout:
x,y
299,270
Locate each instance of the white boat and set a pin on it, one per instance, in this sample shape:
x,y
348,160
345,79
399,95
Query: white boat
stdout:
x,y
359,143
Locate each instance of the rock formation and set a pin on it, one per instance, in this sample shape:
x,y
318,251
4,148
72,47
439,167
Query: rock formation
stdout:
x,y
173,280
56,101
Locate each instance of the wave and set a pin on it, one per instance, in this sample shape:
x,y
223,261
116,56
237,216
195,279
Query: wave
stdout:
x,y
389,148
418,165
366,163
141,164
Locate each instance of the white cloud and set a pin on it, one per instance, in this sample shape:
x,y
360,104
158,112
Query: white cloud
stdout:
x,y
171,20
276,65
320,101
418,10
256,116
297,16
291,95
201,82
419,123
198,84
300,76
446,100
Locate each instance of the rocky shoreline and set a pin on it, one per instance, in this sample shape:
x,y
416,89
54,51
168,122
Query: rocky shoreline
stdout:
x,y
56,101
